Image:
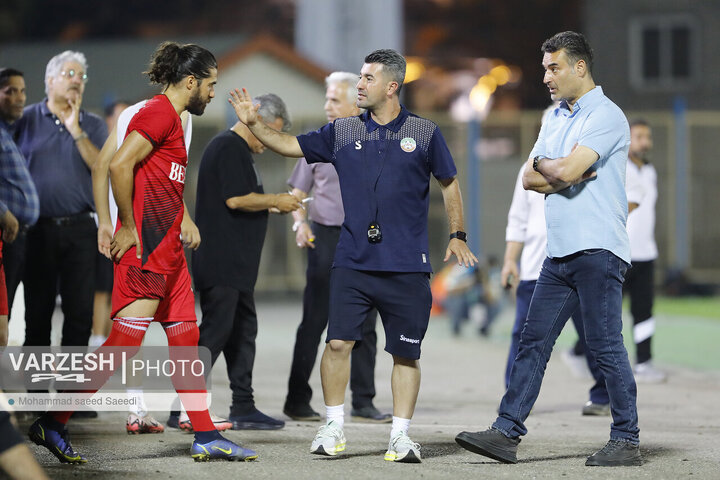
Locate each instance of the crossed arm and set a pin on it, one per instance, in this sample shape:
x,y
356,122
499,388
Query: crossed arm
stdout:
x,y
557,174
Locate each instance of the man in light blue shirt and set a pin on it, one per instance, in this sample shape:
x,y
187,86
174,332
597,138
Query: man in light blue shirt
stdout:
x,y
579,162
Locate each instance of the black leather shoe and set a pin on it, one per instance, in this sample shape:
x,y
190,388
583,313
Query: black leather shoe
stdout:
x,y
490,443
616,453
255,421
173,421
370,415
301,413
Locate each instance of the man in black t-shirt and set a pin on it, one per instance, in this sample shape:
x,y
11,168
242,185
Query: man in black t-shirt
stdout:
x,y
231,213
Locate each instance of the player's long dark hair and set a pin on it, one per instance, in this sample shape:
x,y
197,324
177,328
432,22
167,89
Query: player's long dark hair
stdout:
x,y
172,62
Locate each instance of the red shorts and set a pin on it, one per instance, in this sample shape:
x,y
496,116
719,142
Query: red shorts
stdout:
x,y
174,290
3,288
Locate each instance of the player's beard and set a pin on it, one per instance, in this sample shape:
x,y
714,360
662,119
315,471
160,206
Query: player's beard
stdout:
x,y
196,104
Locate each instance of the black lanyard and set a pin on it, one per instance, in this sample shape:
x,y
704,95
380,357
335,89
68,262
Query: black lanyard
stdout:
x,y
372,186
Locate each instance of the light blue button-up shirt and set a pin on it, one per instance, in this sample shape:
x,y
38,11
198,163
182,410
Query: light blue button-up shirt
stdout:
x,y
593,213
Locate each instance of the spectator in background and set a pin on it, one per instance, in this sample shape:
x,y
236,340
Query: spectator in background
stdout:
x,y
113,111
641,188
60,142
232,213
102,323
18,198
642,193
470,295
640,280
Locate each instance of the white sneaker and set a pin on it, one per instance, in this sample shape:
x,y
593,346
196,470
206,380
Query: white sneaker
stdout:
x,y
647,373
577,364
402,449
137,424
330,440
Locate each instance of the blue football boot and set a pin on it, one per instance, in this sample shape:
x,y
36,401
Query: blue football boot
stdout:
x,y
57,442
221,448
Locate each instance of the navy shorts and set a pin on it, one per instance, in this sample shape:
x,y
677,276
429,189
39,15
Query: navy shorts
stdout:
x,y
403,301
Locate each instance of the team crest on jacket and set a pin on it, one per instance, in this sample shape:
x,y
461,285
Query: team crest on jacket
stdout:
x,y
408,144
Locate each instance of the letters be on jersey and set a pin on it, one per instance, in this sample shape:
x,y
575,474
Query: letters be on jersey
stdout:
x,y
177,173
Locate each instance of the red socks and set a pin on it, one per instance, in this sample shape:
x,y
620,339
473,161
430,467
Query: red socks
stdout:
x,y
186,334
126,332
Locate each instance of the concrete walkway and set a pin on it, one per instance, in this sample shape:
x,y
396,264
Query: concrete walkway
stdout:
x,y
462,386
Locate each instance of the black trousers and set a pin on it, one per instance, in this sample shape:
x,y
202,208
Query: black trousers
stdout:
x,y
640,287
13,257
229,326
314,321
60,256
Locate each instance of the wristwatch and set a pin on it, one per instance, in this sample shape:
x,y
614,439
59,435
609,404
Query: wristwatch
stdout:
x,y
297,224
460,235
536,162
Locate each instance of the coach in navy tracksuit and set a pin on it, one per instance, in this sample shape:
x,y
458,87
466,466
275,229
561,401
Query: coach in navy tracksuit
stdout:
x,y
384,159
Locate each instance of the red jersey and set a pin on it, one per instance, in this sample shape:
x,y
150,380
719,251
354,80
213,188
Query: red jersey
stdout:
x,y
159,181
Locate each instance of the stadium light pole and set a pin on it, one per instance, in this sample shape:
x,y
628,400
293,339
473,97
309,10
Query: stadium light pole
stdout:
x,y
474,180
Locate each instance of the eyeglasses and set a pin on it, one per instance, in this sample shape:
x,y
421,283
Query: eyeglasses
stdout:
x,y
71,74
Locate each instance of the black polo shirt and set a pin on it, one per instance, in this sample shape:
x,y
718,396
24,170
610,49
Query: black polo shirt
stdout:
x,y
232,240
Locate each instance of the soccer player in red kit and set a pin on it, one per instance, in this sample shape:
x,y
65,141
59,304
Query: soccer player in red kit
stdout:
x,y
151,278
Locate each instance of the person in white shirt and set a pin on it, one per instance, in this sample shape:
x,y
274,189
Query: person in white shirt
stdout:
x,y
642,193
639,281
526,232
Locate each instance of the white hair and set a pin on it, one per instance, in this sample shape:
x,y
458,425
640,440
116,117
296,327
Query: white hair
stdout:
x,y
55,65
272,107
348,79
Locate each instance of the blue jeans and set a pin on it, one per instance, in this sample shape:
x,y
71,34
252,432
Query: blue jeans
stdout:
x,y
523,295
598,392
590,280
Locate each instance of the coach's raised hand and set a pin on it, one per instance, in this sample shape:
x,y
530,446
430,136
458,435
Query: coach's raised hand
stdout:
x,y
243,105
279,142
